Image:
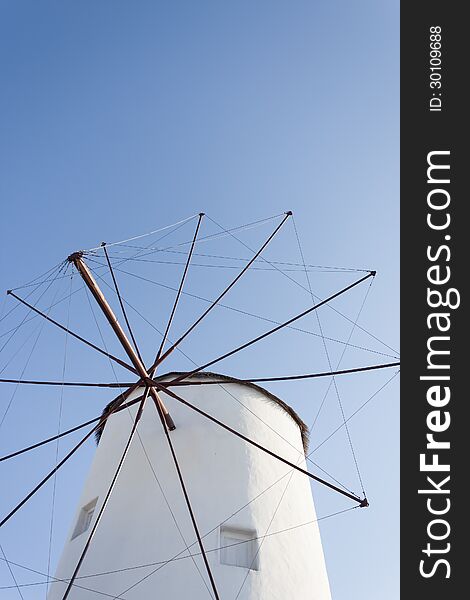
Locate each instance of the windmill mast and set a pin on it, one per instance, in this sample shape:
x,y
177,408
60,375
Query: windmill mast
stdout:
x,y
77,259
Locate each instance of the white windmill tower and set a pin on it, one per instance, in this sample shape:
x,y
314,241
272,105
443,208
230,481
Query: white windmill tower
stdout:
x,y
212,501
258,552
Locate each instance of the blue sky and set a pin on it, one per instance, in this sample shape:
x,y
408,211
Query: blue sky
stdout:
x,y
117,118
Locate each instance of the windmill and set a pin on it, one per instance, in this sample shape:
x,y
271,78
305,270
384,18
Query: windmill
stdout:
x,y
209,458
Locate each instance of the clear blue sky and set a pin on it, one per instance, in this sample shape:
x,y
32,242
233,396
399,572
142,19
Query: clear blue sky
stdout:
x,y
121,117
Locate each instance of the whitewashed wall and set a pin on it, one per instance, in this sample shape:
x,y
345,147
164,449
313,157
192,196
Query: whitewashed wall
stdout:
x,y
222,474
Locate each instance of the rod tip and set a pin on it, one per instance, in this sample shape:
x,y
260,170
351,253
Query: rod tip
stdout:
x,y
169,422
364,503
289,213
9,292
202,214
103,244
373,273
74,256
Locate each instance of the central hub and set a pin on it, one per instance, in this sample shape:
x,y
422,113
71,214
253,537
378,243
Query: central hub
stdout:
x,y
74,256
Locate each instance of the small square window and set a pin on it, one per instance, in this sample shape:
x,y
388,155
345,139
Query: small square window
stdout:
x,y
84,518
239,548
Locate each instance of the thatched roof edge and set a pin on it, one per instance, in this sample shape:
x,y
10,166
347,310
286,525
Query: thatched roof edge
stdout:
x,y
226,378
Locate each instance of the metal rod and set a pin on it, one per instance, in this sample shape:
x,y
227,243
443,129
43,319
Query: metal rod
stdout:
x,y
184,383
75,335
55,469
362,501
90,282
67,432
121,303
51,439
282,378
227,289
273,330
106,499
178,294
67,383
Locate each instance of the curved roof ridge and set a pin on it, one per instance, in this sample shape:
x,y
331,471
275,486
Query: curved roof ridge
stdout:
x,y
227,378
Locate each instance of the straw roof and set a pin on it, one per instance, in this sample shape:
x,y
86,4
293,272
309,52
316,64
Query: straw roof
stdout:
x,y
225,378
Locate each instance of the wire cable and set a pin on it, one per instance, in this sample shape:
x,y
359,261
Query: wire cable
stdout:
x,y
15,329
340,358
355,413
327,354
105,501
129,328
137,237
210,238
45,275
161,564
240,311
274,329
259,446
173,559
59,425
178,295
31,352
16,586
306,289
75,335
330,268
